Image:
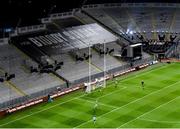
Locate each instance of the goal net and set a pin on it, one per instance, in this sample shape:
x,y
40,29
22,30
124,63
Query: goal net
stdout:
x,y
98,83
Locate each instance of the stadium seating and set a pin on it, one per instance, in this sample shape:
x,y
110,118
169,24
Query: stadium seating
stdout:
x,y
145,21
7,93
90,48
25,83
72,70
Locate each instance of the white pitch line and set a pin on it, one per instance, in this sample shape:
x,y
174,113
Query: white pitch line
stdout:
x,y
144,73
107,94
111,93
102,97
98,103
46,109
160,121
129,103
76,98
149,111
40,111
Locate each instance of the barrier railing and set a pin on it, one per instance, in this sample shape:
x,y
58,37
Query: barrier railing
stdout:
x,y
36,96
28,29
19,100
112,5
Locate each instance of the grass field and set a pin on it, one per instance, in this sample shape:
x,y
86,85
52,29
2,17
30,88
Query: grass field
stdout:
x,y
127,106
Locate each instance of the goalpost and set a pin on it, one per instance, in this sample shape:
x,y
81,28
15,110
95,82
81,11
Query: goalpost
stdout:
x,y
98,83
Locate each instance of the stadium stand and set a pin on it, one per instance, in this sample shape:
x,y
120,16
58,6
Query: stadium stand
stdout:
x,y
7,93
71,68
125,20
71,48
24,83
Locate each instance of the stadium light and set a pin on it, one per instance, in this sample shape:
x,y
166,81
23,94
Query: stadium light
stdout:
x,y
131,32
127,32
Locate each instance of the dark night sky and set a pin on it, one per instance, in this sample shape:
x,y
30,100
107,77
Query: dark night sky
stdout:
x,y
24,12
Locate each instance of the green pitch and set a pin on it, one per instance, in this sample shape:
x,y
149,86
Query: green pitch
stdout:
x,y
128,105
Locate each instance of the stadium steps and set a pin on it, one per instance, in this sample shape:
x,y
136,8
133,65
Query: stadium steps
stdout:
x,y
171,51
25,69
90,63
117,59
116,47
111,62
83,17
60,78
24,55
12,86
57,78
15,88
26,83
106,27
93,65
1,70
53,75
81,20
21,52
74,71
6,94
171,25
56,25
153,21
132,19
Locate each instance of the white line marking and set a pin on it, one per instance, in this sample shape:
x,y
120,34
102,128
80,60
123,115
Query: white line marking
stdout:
x,y
102,97
107,94
44,110
111,93
149,111
160,121
145,72
40,111
129,103
93,102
